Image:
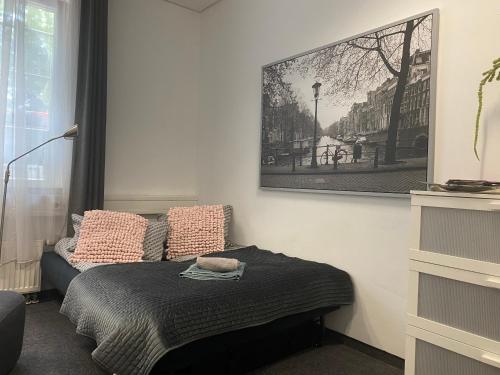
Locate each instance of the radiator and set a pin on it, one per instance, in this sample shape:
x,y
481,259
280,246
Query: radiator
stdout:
x,y
20,277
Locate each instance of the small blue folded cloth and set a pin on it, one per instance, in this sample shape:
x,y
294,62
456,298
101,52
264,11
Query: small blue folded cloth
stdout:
x,y
197,273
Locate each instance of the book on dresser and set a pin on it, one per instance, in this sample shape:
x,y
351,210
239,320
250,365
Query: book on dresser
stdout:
x,y
454,285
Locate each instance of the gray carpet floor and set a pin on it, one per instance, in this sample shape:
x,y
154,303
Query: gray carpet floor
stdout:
x,y
51,347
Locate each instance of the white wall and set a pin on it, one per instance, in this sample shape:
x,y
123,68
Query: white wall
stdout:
x,y
368,237
153,90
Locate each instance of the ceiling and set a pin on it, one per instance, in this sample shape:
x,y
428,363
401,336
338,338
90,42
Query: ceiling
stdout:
x,y
196,5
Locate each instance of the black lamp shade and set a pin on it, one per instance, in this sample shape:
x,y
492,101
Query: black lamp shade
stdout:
x,y
316,87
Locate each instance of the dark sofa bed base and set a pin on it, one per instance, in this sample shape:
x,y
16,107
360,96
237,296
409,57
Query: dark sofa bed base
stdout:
x,y
56,272
241,351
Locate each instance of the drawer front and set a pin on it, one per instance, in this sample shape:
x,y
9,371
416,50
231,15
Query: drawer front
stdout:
x,y
434,360
471,234
468,307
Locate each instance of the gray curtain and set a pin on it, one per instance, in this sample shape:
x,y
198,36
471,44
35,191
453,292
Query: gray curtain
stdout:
x,y
87,175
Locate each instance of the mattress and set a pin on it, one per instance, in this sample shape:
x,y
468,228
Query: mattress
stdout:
x,y
58,271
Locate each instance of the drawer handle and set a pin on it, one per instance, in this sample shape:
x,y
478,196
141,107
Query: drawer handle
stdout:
x,y
494,206
492,359
493,282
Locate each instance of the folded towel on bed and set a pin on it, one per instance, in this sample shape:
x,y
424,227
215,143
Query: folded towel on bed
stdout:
x,y
218,264
197,273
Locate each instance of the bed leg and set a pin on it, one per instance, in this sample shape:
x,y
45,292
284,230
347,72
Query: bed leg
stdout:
x,y
321,331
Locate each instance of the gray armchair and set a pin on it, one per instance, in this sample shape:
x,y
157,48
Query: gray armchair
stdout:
x,y
12,314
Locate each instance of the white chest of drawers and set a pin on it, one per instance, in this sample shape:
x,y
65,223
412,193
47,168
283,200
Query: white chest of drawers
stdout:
x,y
454,285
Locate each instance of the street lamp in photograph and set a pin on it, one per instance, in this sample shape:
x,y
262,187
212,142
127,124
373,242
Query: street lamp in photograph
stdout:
x,y
315,87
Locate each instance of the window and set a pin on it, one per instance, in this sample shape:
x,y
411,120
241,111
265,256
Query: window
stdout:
x,y
38,71
39,34
32,122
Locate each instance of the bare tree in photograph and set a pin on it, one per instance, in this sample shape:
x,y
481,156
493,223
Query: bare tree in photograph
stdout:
x,y
275,85
281,107
348,68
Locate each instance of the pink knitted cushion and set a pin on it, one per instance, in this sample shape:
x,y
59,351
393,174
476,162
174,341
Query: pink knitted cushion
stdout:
x,y
110,237
195,230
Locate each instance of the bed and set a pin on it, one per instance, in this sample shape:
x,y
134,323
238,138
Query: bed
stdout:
x,y
137,313
144,317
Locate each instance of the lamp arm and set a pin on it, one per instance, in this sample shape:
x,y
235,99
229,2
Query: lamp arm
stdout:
x,y
6,181
28,152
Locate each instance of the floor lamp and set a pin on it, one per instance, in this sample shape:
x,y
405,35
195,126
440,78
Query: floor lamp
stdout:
x,y
71,133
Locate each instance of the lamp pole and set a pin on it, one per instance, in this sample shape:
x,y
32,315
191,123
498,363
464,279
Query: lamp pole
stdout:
x,y
71,133
315,87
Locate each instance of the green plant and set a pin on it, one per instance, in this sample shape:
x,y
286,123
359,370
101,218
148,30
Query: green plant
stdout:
x,y
489,76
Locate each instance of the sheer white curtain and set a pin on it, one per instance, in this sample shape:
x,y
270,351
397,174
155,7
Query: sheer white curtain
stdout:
x,y
38,66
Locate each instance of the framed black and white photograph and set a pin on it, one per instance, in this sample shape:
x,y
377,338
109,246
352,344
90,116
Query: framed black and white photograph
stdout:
x,y
355,116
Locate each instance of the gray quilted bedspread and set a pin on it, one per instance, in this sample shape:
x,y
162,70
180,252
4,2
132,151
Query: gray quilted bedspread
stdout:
x,y
138,312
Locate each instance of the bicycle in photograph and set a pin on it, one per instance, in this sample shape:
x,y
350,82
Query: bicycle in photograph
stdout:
x,y
339,155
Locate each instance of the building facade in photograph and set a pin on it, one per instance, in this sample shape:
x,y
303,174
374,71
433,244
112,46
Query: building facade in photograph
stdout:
x,y
371,118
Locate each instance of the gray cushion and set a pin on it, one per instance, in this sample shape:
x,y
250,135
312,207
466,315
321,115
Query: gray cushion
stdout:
x,y
154,240
77,222
228,213
64,245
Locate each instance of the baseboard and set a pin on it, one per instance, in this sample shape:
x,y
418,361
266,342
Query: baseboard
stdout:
x,y
147,204
369,350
